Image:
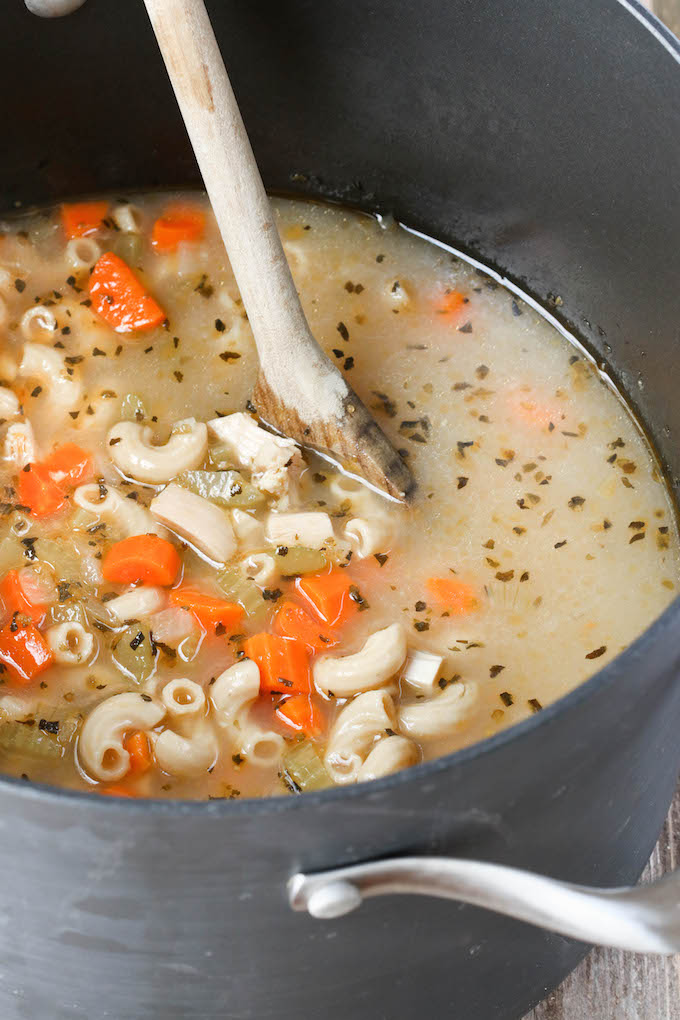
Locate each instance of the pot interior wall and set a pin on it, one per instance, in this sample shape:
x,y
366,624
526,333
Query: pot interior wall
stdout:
x,y
544,138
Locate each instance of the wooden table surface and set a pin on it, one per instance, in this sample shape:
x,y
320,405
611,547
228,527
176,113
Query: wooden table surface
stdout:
x,y
611,985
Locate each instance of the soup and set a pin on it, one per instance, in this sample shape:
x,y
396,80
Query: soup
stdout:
x,y
193,607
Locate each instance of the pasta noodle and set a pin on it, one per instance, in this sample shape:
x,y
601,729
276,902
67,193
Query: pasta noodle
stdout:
x,y
132,451
359,725
38,324
440,715
19,445
82,253
191,746
127,217
365,670
389,755
126,515
260,567
233,694
100,746
48,366
71,644
368,537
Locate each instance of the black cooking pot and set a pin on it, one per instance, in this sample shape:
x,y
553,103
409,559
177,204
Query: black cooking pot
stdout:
x,y
544,138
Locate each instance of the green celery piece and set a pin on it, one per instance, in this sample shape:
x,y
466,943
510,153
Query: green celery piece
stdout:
x,y
220,457
238,588
226,488
62,557
12,554
135,655
304,766
26,738
128,246
300,560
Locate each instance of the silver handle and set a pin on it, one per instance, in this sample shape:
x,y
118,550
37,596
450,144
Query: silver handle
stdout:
x,y
53,8
644,919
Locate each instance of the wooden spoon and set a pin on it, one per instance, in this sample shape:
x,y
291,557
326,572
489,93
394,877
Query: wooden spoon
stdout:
x,y
299,391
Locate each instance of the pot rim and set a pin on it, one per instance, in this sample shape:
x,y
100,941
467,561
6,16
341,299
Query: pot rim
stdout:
x,y
601,680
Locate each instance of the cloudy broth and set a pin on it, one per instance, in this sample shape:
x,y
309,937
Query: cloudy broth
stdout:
x,y
540,542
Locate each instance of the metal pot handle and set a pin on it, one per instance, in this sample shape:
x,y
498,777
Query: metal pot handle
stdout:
x,y
644,919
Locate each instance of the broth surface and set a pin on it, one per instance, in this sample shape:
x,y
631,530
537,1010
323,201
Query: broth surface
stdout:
x,y
539,505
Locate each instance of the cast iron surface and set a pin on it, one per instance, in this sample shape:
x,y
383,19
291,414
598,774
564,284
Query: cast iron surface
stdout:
x,y
520,131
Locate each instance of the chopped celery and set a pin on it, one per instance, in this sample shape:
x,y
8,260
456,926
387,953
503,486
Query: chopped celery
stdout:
x,y
48,741
134,652
188,647
304,767
28,738
300,560
62,557
128,246
243,590
43,232
12,554
97,610
133,408
220,457
228,488
83,519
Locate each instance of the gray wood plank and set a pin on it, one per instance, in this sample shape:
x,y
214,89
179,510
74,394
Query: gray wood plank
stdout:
x,y
669,12
611,985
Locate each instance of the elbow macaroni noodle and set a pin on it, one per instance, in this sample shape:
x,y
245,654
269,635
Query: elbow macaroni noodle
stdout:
x,y
377,662
190,746
436,717
133,452
360,724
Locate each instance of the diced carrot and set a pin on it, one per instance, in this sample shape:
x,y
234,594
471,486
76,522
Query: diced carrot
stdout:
x,y
42,486
25,653
81,218
137,746
115,791
37,490
292,621
302,714
534,412
14,599
330,596
283,663
148,559
456,596
450,303
180,222
69,465
208,610
120,298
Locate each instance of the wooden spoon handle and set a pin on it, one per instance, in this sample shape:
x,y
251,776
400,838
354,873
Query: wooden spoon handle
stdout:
x,y
299,391
232,179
